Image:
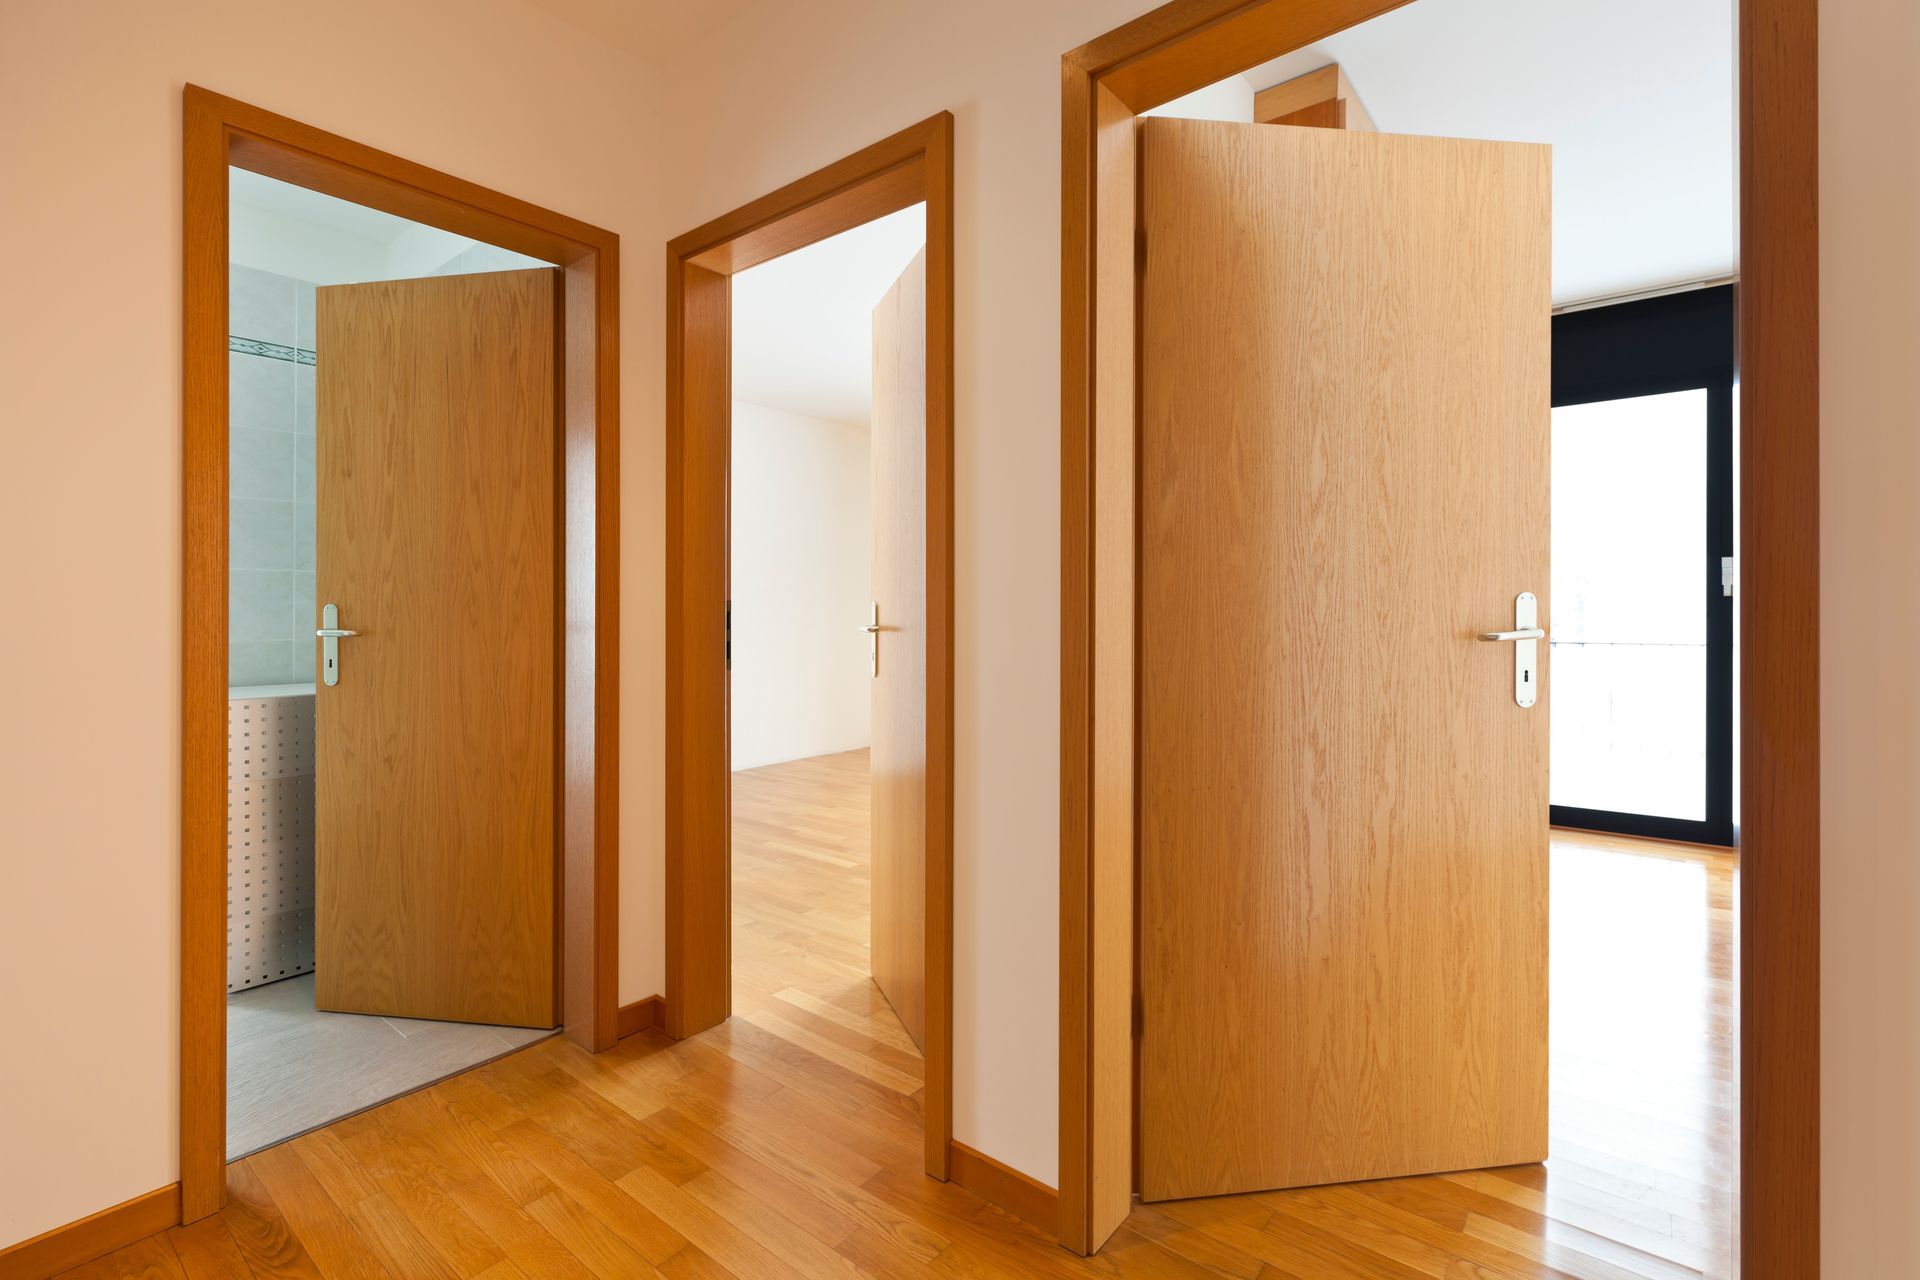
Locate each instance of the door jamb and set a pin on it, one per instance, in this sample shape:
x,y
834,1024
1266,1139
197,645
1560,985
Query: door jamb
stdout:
x,y
911,166
1183,46
218,132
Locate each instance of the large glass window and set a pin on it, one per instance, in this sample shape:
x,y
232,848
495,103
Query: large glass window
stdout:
x,y
1640,615
1629,619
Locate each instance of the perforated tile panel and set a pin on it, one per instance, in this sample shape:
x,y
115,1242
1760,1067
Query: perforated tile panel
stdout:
x,y
269,839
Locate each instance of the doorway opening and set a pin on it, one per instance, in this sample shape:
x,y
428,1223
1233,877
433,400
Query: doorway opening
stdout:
x,y
483,894
732,850
370,360
1125,261
825,646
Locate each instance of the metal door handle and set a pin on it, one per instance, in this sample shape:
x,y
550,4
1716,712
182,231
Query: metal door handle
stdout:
x,y
331,633
872,631
870,628
1526,647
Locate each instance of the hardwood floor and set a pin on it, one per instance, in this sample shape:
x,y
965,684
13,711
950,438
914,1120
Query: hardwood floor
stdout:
x,y
785,1142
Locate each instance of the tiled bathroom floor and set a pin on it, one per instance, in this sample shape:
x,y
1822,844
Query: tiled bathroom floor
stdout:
x,y
291,1068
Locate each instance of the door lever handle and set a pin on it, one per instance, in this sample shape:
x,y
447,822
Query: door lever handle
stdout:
x,y
331,633
1526,637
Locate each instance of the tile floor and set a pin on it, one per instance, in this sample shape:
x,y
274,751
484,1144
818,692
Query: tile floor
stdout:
x,y
291,1068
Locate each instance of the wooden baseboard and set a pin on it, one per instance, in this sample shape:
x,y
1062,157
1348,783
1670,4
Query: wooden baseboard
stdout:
x,y
642,1014
93,1236
1012,1190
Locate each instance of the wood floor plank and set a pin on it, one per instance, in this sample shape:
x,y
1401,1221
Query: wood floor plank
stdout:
x,y
396,1241
786,1142
269,1245
321,1224
150,1259
626,1217
207,1251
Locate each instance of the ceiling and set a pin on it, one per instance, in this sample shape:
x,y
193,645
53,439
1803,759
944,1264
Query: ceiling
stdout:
x,y
651,29
1636,97
291,231
802,326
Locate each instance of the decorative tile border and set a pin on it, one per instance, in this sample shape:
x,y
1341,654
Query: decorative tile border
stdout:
x,y
271,350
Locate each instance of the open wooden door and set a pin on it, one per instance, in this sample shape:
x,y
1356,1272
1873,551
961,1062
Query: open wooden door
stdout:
x,y
435,833
898,455
1343,803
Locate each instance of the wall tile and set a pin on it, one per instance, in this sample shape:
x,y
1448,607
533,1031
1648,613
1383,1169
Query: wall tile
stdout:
x,y
262,464
259,605
304,615
259,662
260,305
306,529
305,460
259,392
303,399
305,657
261,535
303,315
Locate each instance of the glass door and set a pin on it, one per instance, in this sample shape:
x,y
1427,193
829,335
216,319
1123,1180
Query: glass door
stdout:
x,y
1641,606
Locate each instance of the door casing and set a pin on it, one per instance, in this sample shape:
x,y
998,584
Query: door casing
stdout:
x,y
911,166
1186,45
219,132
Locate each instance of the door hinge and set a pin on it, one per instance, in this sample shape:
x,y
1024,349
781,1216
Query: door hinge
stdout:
x,y
729,636
1729,572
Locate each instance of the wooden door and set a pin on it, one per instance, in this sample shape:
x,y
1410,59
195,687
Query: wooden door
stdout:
x,y
1344,427
435,841
899,755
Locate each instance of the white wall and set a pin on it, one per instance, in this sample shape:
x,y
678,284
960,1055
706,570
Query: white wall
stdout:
x,y
1870,637
801,573
490,90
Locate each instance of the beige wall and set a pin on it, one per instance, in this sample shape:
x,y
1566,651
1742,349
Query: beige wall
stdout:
x,y
489,90
89,490
1870,636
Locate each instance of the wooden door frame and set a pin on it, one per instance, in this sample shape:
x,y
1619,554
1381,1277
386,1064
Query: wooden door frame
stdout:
x,y
911,166
219,132
1183,46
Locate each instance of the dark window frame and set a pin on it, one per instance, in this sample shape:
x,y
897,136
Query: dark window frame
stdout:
x,y
1677,342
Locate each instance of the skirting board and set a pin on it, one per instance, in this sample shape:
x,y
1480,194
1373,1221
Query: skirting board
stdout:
x,y
1019,1195
641,1014
93,1236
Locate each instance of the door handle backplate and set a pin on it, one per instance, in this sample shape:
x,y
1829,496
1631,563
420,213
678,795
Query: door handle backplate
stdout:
x,y
1525,637
331,634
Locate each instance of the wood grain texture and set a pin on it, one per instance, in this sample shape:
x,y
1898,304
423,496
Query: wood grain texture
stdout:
x,y
823,203
590,648
1187,44
1779,637
218,130
93,1236
1116,593
774,1147
434,832
700,411
1343,911
897,460
203,661
1025,1198
1322,99
642,1015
